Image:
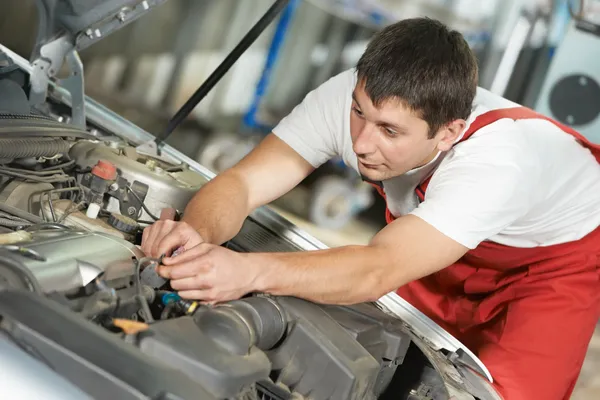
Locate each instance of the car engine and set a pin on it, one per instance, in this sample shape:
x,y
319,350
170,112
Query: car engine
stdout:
x,y
78,294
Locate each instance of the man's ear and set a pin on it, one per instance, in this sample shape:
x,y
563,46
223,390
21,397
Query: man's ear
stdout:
x,y
449,134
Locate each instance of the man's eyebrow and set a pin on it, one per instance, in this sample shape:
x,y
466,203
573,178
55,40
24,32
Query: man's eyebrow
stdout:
x,y
382,123
390,125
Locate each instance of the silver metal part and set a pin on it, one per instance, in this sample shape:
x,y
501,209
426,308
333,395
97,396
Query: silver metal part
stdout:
x,y
75,258
166,189
74,83
122,17
52,57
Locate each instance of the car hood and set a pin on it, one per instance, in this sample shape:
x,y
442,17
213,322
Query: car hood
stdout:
x,y
85,21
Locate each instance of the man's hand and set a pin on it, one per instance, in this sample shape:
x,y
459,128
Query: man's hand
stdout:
x,y
209,273
163,237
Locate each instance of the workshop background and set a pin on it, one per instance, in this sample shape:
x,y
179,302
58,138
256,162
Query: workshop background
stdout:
x,y
543,54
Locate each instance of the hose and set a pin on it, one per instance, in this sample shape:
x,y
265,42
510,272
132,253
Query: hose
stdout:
x,y
32,147
143,301
47,226
11,223
35,178
20,213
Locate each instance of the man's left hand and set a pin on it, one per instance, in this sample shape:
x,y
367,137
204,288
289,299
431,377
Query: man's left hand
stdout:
x,y
209,273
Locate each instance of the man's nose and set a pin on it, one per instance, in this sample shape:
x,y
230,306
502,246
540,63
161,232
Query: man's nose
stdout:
x,y
365,141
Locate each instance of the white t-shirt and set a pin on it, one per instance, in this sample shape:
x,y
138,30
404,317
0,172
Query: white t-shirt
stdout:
x,y
519,183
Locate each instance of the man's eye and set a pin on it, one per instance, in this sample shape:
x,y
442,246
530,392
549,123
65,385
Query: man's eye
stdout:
x,y
357,111
390,132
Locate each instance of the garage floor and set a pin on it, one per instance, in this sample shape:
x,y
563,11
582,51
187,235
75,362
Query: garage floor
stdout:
x,y
588,386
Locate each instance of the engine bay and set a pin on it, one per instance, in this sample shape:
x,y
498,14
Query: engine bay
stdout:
x,y
75,282
78,294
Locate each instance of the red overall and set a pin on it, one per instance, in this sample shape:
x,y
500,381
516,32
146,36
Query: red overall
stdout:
x,y
527,313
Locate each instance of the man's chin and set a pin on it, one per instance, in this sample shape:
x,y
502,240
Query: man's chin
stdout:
x,y
372,175
377,175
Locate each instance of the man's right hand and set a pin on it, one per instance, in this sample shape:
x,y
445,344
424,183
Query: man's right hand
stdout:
x,y
163,237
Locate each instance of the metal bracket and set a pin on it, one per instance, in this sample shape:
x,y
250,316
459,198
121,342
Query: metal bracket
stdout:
x,y
52,57
124,16
148,148
75,84
128,204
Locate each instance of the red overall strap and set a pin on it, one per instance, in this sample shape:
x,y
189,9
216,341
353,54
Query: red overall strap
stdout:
x,y
515,113
388,214
505,303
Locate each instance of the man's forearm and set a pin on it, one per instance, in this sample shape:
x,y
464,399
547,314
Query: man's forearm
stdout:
x,y
343,275
219,208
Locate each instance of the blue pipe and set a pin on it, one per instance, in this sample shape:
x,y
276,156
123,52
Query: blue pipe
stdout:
x,y
250,122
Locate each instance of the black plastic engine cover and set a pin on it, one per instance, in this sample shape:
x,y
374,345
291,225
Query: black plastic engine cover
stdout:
x,y
320,359
184,345
99,363
380,334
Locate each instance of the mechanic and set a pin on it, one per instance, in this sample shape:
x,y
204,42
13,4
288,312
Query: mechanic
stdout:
x,y
493,213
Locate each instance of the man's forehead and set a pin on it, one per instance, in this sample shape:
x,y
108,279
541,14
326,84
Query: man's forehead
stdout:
x,y
392,105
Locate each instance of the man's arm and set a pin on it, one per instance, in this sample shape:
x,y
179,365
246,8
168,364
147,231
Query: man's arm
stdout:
x,y
405,250
218,210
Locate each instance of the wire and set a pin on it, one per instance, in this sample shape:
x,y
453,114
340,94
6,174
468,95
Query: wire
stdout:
x,y
11,223
138,288
74,207
36,178
48,225
51,206
44,172
63,165
167,311
20,213
142,203
49,193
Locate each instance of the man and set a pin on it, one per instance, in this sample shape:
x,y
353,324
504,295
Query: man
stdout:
x,y
493,214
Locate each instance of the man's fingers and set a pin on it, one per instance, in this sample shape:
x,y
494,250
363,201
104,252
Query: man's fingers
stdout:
x,y
205,295
189,254
153,235
166,228
184,270
196,282
169,242
148,238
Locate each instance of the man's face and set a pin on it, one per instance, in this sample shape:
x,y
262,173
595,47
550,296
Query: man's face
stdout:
x,y
390,140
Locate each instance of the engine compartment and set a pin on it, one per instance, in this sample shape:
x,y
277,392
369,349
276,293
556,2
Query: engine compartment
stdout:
x,y
78,295
78,289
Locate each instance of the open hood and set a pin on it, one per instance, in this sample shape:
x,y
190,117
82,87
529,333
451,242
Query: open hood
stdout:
x,y
85,21
65,28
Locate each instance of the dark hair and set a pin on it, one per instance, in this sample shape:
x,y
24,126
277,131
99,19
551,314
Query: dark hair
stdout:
x,y
426,66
